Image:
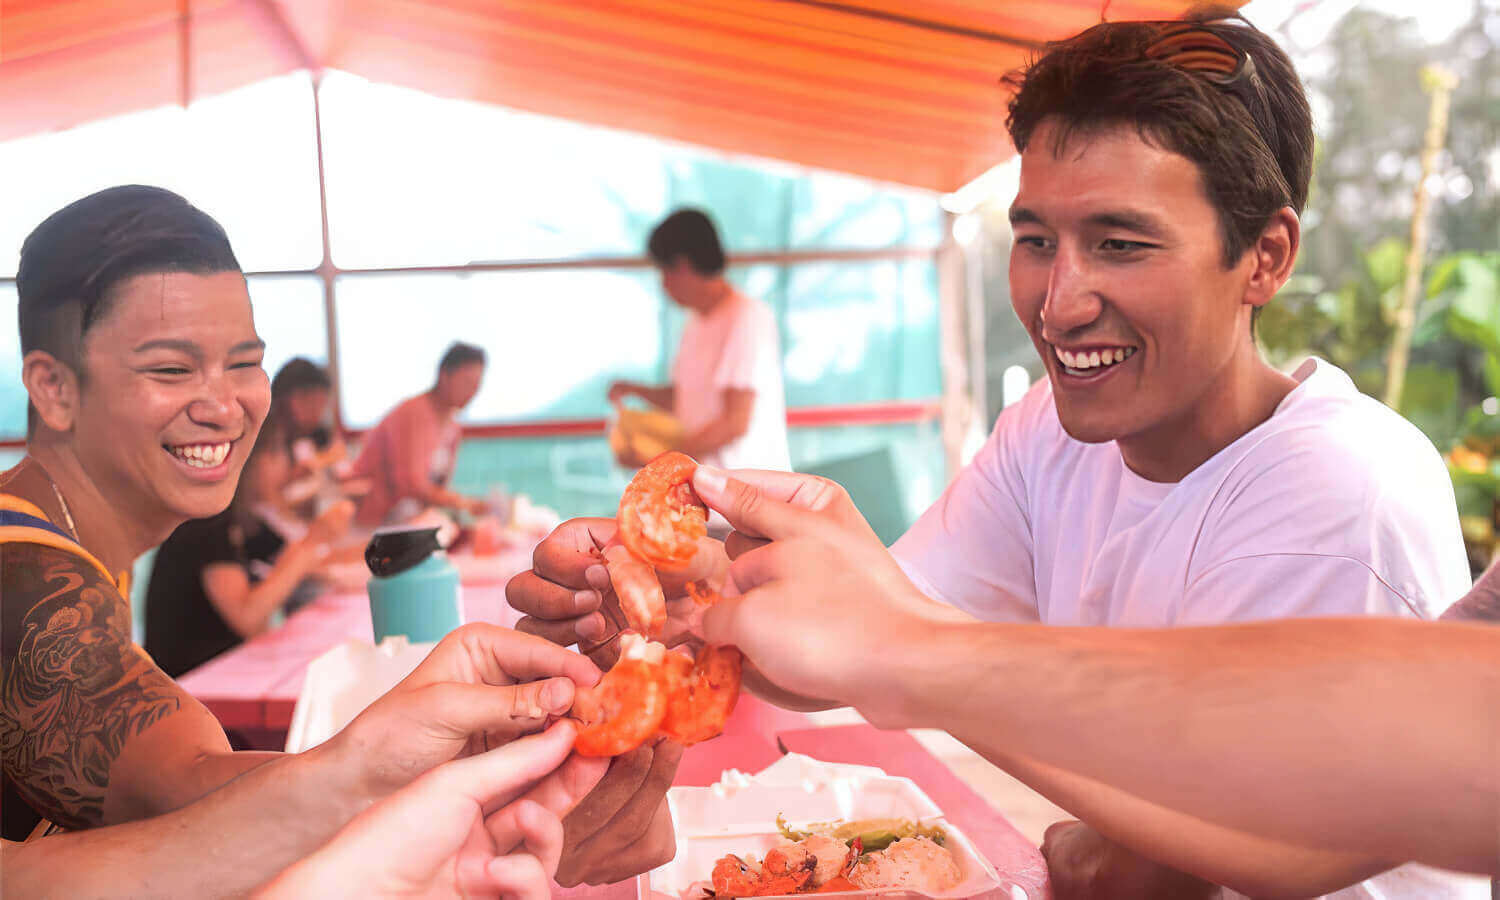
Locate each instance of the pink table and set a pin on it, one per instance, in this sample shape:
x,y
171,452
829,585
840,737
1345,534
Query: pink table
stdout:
x,y
253,688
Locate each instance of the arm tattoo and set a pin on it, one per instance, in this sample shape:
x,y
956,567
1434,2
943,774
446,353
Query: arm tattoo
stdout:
x,y
75,687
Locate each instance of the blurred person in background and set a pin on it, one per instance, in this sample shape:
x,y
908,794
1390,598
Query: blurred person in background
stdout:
x,y
219,581
409,456
298,458
726,390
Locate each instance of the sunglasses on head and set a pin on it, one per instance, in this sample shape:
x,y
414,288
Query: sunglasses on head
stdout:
x,y
1199,50
1194,48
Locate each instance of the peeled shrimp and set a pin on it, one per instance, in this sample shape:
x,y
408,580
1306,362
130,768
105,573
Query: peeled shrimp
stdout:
x,y
626,707
652,691
660,517
656,692
639,592
703,695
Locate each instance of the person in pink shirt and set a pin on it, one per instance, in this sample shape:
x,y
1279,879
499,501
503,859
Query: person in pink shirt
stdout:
x,y
409,457
726,386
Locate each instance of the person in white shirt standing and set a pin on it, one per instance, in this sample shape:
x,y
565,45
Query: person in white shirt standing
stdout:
x,y
1164,473
726,388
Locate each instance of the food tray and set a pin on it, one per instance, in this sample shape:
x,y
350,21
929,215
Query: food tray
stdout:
x,y
738,815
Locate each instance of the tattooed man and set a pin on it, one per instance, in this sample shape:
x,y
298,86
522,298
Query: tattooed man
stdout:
x,y
143,368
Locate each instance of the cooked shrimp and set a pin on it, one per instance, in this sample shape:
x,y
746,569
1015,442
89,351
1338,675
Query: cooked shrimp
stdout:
x,y
660,521
660,517
702,697
626,707
816,864
786,870
733,877
640,594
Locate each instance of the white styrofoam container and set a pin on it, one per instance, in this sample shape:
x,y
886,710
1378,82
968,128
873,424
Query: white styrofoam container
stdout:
x,y
738,815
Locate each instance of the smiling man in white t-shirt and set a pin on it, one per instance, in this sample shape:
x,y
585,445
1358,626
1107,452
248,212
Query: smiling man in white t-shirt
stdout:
x,y
726,388
1165,474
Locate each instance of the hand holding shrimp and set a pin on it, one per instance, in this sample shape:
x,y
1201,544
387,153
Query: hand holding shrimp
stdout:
x,y
817,589
650,689
568,598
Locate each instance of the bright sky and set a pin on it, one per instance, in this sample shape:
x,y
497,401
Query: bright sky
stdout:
x,y
1438,18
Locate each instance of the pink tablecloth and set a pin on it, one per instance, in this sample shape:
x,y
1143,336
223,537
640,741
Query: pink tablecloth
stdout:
x,y
254,687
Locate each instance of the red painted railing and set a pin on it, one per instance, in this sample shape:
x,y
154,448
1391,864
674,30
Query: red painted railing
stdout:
x,y
891,413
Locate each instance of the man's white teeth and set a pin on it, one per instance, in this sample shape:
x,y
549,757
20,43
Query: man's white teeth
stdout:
x,y
202,456
1093,359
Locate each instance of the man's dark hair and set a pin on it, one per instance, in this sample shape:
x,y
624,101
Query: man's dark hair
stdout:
x,y
690,234
71,263
1251,142
459,355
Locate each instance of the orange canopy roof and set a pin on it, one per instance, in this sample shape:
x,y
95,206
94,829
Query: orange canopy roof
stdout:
x,y
900,91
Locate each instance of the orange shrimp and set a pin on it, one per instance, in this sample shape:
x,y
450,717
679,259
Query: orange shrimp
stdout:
x,y
639,592
733,877
786,870
660,517
703,696
626,707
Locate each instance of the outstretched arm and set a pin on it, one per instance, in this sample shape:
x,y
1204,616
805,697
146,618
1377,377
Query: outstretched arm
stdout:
x,y
1379,737
660,396
198,851
93,733
1376,738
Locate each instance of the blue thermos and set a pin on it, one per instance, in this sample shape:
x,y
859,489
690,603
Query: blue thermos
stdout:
x,y
414,588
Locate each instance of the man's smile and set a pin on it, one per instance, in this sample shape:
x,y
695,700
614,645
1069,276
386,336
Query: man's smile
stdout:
x,y
1092,360
201,455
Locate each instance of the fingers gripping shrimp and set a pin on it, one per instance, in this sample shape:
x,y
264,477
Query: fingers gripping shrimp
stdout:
x,y
703,696
660,517
639,592
626,707
651,691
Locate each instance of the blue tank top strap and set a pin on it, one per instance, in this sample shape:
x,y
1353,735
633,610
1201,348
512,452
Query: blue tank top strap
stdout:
x,y
15,517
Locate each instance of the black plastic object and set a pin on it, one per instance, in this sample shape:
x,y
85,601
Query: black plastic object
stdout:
x,y
393,552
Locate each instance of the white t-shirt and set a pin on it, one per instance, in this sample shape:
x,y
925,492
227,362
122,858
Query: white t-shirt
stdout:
x,y
1333,506
734,346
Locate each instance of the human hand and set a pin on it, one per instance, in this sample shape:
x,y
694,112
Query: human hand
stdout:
x,y
1083,864
619,390
623,827
628,457
822,601
567,598
481,687
490,825
331,524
